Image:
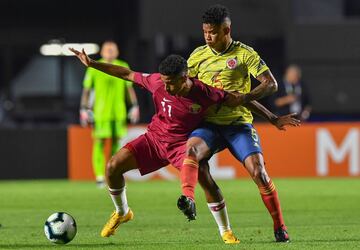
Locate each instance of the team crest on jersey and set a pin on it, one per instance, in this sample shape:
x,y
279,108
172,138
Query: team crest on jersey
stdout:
x,y
195,108
231,63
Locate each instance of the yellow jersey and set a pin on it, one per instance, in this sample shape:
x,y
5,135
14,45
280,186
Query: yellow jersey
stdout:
x,y
230,71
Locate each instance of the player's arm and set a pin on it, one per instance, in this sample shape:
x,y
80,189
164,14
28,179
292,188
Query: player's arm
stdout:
x,y
234,99
86,102
132,99
86,112
278,121
114,70
134,112
267,86
85,99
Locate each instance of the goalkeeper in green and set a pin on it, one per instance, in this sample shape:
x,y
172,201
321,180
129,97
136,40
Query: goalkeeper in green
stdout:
x,y
103,104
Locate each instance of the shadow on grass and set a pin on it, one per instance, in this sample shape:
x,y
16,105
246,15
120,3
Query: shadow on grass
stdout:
x,y
302,241
44,246
324,241
161,244
119,245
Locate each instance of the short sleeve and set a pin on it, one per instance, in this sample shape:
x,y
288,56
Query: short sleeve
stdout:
x,y
88,79
148,81
255,64
208,95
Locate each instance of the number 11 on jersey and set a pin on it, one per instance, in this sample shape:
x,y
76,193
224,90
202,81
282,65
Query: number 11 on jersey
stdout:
x,y
168,108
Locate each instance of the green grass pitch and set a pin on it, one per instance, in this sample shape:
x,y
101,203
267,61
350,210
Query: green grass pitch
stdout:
x,y
320,214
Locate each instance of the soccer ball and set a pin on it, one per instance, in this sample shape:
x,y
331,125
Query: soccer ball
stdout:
x,y
60,228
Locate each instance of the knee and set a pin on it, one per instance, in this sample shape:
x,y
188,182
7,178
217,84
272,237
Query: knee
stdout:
x,y
259,172
197,152
192,150
112,166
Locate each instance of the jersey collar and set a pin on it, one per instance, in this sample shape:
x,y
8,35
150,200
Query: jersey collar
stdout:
x,y
223,52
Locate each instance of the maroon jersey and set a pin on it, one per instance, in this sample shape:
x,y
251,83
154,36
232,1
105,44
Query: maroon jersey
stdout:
x,y
177,116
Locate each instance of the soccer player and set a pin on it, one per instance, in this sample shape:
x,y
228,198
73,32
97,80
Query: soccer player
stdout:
x,y
108,109
180,104
228,64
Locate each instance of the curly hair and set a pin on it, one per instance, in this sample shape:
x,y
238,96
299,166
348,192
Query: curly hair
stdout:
x,y
216,14
173,65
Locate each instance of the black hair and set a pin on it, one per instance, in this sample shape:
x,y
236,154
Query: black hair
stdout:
x,y
216,14
173,65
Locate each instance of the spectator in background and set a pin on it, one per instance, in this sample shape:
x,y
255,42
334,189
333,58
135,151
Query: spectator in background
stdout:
x,y
107,109
292,95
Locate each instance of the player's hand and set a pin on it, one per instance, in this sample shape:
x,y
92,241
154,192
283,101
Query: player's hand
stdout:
x,y
305,114
82,56
86,117
134,114
286,120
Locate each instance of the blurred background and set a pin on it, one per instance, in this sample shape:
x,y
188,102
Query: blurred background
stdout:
x,y
40,95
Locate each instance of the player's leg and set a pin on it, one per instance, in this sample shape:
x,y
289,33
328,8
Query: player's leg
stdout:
x,y
244,143
115,145
142,153
98,159
119,130
122,162
216,204
200,145
189,173
102,131
197,149
189,176
211,189
119,164
254,164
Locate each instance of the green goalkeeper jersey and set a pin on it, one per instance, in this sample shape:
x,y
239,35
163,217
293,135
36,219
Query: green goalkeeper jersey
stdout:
x,y
230,71
110,93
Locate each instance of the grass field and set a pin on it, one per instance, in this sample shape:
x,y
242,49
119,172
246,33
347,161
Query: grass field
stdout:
x,y
320,214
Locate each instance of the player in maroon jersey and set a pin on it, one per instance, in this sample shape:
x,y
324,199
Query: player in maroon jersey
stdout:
x,y
180,103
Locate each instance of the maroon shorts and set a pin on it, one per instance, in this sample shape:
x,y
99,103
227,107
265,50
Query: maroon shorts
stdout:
x,y
151,154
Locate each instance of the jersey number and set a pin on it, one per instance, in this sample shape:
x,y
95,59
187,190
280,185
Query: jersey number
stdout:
x,y
168,108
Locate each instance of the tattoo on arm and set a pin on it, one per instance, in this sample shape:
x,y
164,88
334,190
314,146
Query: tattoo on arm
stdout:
x,y
267,86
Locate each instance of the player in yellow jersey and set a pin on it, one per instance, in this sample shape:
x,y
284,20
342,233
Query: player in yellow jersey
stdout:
x,y
227,64
169,127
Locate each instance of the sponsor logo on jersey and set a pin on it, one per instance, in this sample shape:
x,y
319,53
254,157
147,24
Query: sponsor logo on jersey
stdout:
x,y
231,63
195,108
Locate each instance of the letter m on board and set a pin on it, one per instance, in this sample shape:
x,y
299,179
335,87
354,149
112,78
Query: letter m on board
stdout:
x,y
326,148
